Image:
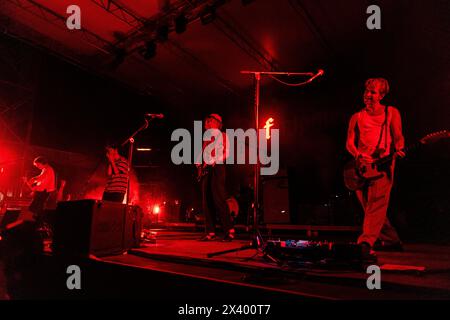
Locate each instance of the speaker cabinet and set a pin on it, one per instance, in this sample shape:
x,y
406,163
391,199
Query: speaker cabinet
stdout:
x,y
132,227
95,227
276,200
11,215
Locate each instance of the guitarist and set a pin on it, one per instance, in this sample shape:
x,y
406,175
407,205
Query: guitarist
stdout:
x,y
42,186
375,132
214,197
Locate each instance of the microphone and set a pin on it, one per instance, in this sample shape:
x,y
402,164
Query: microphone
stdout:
x,y
318,74
154,115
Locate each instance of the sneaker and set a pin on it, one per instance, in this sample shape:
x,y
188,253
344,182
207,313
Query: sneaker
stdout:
x,y
228,237
367,254
208,237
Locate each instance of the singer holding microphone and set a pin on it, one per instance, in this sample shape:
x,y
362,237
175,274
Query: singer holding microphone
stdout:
x,y
118,173
117,184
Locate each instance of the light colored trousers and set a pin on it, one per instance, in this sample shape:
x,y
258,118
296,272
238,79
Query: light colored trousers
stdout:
x,y
374,199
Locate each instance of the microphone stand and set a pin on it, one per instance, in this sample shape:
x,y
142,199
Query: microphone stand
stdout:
x,y
257,239
130,140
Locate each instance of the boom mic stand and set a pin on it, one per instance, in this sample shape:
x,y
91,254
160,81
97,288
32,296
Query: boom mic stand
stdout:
x,y
258,242
130,140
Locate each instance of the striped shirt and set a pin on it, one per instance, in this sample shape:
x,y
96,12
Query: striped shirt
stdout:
x,y
118,182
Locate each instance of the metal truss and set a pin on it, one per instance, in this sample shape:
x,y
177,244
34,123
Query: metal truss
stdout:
x,y
120,12
17,90
192,10
59,21
231,30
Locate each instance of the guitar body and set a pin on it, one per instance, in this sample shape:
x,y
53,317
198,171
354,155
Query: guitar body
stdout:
x,y
357,174
31,184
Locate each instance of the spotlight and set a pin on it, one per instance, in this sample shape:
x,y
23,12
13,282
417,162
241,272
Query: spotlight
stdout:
x,y
148,51
180,23
208,15
162,33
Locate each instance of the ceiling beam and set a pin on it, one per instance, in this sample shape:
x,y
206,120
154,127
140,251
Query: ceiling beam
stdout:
x,y
196,62
59,21
305,15
230,28
120,12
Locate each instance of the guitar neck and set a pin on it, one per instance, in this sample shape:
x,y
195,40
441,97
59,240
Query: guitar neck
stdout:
x,y
429,138
407,149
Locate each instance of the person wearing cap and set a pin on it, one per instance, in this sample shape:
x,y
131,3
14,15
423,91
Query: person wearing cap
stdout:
x,y
213,184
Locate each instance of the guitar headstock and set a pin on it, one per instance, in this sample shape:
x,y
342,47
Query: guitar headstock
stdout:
x,y
435,136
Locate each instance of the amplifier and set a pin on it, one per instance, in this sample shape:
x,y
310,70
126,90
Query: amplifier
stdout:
x,y
95,227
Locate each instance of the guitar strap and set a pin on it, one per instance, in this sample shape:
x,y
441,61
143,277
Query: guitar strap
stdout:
x,y
385,128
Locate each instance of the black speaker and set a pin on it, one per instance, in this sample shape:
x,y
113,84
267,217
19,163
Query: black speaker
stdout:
x,y
95,227
276,200
132,227
11,215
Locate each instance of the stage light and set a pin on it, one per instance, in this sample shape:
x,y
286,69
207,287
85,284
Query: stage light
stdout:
x,y
156,209
144,149
148,51
180,23
162,33
208,15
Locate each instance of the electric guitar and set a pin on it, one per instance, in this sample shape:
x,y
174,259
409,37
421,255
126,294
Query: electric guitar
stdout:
x,y
358,173
31,184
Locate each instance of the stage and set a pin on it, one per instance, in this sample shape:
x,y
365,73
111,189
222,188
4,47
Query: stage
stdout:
x,y
421,272
177,269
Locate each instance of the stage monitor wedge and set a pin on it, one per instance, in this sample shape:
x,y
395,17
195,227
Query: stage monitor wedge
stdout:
x,y
100,228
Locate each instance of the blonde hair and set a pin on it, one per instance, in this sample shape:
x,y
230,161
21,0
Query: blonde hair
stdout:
x,y
383,84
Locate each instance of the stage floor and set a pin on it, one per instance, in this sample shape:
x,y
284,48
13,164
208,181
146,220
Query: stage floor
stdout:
x,y
421,272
